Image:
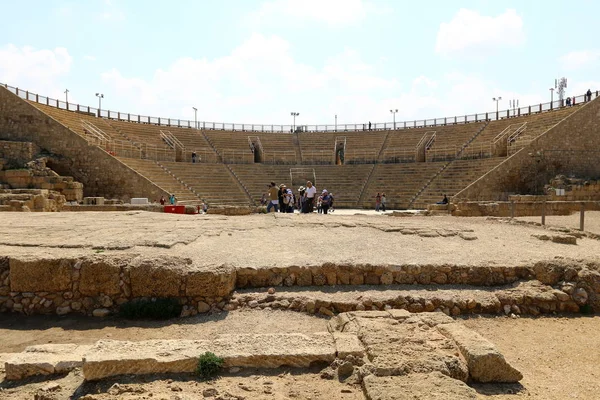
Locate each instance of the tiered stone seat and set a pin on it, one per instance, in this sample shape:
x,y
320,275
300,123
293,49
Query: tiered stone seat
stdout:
x,y
399,182
147,136
458,175
536,125
449,140
154,172
278,148
212,182
362,147
402,144
345,182
256,177
233,147
317,148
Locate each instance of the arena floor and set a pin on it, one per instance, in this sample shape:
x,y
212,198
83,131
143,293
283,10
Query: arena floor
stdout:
x,y
278,240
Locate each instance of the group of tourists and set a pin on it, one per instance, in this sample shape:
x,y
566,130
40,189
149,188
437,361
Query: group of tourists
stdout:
x,y
283,199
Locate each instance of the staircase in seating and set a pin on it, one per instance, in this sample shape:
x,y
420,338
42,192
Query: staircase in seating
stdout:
x,y
155,173
212,182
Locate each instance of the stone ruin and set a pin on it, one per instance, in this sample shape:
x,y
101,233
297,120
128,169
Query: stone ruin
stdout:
x,y
392,354
35,187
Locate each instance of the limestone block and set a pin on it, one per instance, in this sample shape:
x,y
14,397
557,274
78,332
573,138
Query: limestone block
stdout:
x,y
431,318
343,322
347,344
213,283
40,274
432,386
110,358
275,350
157,277
399,314
46,359
485,362
99,275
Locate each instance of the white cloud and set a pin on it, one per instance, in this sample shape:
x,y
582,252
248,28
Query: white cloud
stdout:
x,y
38,70
89,58
472,33
261,82
581,59
333,12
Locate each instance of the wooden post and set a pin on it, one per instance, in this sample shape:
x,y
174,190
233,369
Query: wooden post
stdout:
x,y
582,216
544,212
512,209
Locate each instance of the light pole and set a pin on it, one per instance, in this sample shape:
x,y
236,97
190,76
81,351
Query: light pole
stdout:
x,y
100,96
551,96
394,114
336,122
514,104
497,99
294,114
195,117
67,95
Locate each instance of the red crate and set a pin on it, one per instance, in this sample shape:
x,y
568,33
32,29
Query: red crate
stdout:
x,y
175,209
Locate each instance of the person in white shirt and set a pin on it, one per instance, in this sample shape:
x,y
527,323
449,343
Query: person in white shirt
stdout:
x,y
309,195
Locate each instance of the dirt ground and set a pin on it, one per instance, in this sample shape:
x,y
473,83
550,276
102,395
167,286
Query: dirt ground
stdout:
x,y
557,355
309,239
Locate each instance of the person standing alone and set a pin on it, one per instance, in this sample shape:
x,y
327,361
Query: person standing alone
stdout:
x,y
309,194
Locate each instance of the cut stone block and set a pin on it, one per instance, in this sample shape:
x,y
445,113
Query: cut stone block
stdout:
x,y
399,314
46,359
347,344
485,362
110,358
433,386
397,348
430,318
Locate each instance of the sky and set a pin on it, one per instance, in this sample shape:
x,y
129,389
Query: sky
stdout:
x,y
256,61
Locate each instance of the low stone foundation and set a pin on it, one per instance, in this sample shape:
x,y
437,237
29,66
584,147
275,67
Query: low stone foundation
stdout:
x,y
30,200
521,208
98,285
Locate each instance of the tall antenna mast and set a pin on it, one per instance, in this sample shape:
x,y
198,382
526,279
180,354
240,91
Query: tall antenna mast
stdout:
x,y
560,85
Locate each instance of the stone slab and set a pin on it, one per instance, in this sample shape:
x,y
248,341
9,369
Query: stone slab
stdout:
x,y
347,344
47,359
399,314
40,274
433,386
111,358
485,362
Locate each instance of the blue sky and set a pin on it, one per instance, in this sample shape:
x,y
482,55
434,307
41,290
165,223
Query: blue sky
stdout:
x,y
250,61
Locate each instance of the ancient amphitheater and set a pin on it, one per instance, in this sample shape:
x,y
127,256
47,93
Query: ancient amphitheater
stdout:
x,y
492,296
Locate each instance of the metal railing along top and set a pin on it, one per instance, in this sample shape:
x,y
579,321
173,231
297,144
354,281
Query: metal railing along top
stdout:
x,y
175,122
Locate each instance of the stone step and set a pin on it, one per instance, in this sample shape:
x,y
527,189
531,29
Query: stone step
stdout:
x,y
111,358
523,297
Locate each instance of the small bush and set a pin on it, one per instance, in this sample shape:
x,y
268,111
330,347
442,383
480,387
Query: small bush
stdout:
x,y
208,365
151,309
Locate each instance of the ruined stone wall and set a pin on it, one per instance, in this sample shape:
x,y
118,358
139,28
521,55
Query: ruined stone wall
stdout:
x,y
572,147
521,208
17,154
98,285
101,174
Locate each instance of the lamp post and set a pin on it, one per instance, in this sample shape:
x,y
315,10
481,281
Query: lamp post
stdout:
x,y
551,96
514,104
195,117
497,99
67,97
336,122
294,114
100,96
394,114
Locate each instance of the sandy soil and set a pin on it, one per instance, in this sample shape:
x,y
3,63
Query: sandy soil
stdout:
x,y
309,239
558,357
